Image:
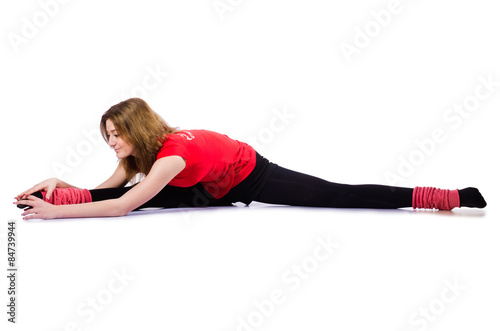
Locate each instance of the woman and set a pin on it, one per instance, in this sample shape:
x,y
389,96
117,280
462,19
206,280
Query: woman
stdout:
x,y
198,168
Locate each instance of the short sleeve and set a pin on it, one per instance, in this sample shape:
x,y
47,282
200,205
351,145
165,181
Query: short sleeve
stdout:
x,y
170,148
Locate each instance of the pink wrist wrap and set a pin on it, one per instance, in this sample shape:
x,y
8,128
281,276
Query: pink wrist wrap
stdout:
x,y
431,197
68,196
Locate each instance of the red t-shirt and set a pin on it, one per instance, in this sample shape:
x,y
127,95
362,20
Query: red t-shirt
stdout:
x,y
216,161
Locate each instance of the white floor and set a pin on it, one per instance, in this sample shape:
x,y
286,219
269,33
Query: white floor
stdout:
x,y
262,267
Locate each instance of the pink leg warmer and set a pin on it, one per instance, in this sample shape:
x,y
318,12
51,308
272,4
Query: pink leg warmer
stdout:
x,y
68,196
431,197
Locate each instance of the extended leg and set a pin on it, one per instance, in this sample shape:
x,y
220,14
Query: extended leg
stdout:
x,y
293,188
168,197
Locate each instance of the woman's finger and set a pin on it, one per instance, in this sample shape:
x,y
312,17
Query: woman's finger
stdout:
x,y
28,217
36,188
28,212
43,186
34,198
24,202
29,200
32,212
20,196
49,192
38,210
28,192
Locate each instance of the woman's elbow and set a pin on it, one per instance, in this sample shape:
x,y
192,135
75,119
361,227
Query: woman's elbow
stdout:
x,y
121,212
124,211
120,208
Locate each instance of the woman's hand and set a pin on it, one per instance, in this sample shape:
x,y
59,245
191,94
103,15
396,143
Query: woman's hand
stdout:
x,y
39,208
47,185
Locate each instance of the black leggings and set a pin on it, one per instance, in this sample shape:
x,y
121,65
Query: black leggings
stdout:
x,y
287,187
284,187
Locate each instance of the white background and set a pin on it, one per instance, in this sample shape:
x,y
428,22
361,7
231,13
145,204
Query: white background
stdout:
x,y
349,121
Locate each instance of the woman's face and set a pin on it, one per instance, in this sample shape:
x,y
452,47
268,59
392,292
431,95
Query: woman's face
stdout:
x,y
122,149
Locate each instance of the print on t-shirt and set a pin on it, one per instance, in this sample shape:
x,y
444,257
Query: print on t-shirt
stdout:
x,y
186,134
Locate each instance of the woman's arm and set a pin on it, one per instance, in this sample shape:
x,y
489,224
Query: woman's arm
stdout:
x,y
47,185
117,179
163,170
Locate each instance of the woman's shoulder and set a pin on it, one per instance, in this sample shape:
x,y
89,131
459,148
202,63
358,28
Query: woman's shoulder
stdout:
x,y
182,137
193,137
192,134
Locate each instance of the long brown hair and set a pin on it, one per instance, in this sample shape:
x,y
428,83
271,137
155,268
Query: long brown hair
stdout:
x,y
141,127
